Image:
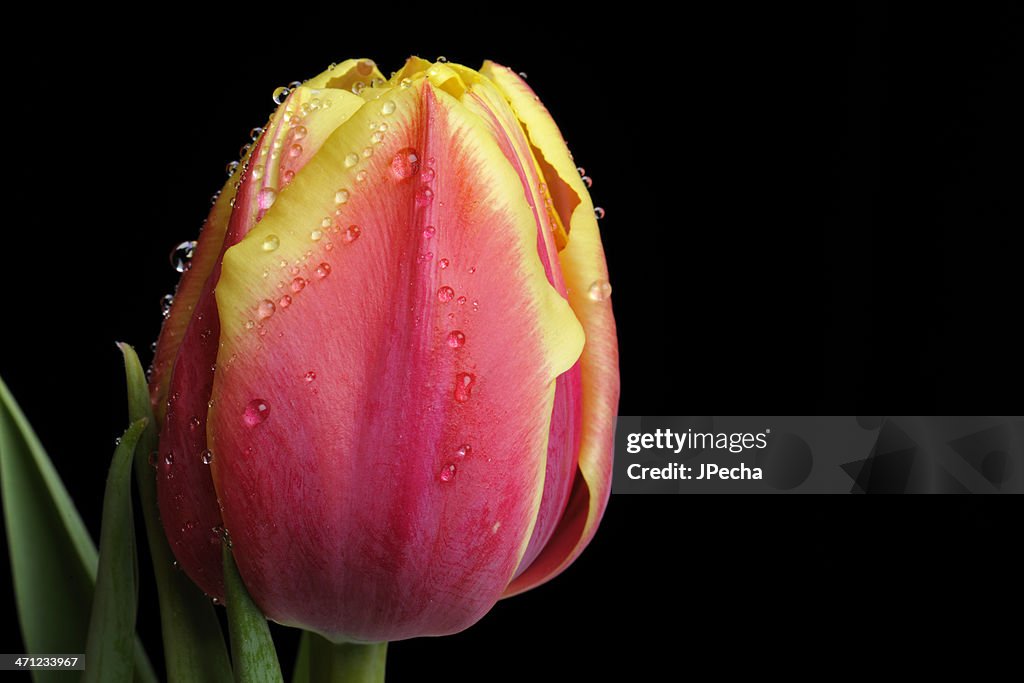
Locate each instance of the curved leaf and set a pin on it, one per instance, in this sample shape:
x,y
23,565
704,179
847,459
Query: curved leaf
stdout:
x,y
193,642
108,651
252,649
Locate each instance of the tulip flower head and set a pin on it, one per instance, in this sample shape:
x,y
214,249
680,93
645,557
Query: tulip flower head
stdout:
x,y
390,371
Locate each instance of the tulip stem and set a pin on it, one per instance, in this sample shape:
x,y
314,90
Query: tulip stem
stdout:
x,y
347,662
252,649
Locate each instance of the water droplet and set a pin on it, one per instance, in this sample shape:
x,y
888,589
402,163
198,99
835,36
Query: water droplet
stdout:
x,y
361,177
461,300
443,263
280,94
249,324
181,255
299,132
207,456
471,270
165,305
456,339
427,175
598,212
582,171
464,382
445,294
298,284
522,75
323,270
429,231
351,234
295,150
588,181
388,108
341,197
255,134
424,195
265,309
448,472
194,423
464,450
244,149
309,376
271,242
266,197
231,168
316,235
215,197
256,411
351,160
365,67
285,301
405,83
405,163
169,458
599,290
287,176
367,152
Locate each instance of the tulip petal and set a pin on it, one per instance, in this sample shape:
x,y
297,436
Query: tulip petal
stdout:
x,y
207,255
411,317
586,277
185,491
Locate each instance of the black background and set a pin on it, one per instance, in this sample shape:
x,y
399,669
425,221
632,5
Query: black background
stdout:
x,y
809,212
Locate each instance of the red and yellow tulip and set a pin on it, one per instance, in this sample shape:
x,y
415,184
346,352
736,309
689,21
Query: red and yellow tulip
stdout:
x,y
391,371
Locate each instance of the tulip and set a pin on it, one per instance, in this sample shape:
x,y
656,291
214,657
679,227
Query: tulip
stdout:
x,y
389,374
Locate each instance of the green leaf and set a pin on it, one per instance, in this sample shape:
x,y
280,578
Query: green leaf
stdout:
x,y
53,559
252,648
194,646
108,651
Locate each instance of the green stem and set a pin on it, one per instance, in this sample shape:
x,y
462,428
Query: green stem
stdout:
x,y
347,662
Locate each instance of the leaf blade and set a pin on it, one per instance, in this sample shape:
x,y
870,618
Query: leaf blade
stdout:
x,y
194,648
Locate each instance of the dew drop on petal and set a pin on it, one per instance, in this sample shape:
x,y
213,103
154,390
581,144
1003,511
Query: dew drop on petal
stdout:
x,y
309,376
271,242
456,339
194,422
427,175
351,160
165,305
448,472
405,83
284,302
266,197
387,108
424,195
351,234
341,197
461,300
231,168
181,255
429,231
265,309
464,450
588,181
443,263
280,93
316,235
599,290
445,294
405,163
207,456
256,411
361,177
298,284
323,270
299,132
598,212
464,382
